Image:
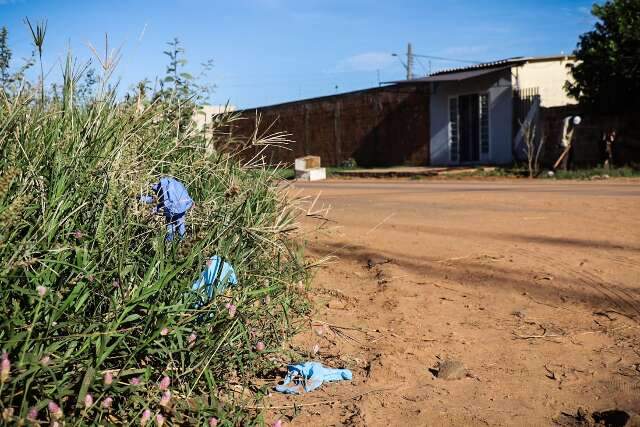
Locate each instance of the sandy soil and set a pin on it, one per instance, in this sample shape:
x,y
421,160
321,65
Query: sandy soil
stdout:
x,y
534,287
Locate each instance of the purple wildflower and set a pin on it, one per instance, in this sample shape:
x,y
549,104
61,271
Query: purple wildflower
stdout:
x,y
192,338
144,419
108,378
160,420
42,291
166,398
232,309
134,381
32,415
213,422
88,401
5,367
107,402
54,410
165,382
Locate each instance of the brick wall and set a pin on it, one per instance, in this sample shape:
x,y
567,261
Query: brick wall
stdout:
x,y
384,126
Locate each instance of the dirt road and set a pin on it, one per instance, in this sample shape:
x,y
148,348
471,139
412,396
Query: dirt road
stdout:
x,y
534,287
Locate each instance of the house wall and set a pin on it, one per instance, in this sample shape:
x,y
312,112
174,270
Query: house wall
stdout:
x,y
202,116
384,126
498,86
549,76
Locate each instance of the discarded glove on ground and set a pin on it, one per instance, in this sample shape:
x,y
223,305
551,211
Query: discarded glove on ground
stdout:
x,y
308,376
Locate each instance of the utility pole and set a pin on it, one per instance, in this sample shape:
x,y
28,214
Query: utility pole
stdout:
x,y
409,62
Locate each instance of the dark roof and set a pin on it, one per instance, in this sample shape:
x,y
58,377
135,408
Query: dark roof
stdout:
x,y
469,71
455,77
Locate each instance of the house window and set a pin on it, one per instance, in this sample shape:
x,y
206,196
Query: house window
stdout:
x,y
453,129
484,123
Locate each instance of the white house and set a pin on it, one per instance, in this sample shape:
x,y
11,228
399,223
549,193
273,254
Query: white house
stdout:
x,y
474,110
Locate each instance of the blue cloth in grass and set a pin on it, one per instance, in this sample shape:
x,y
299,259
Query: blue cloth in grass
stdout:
x,y
309,376
173,202
218,275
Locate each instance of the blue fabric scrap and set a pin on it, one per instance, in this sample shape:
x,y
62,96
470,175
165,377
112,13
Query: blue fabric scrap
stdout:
x,y
214,280
309,376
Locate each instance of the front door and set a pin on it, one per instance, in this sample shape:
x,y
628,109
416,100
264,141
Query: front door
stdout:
x,y
469,122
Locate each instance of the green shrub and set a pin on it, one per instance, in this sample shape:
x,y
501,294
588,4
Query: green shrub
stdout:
x,y
89,289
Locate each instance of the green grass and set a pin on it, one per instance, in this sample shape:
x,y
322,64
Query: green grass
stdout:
x,y
623,172
88,283
290,173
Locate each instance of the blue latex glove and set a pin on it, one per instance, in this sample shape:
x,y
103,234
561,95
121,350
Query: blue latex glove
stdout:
x,y
309,376
174,201
172,195
218,275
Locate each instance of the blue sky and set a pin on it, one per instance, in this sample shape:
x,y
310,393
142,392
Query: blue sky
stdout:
x,y
271,51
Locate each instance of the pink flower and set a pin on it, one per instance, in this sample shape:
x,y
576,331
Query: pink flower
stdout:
x,y
134,381
144,419
192,338
165,382
107,402
54,410
260,346
77,234
166,398
42,291
213,422
164,331
232,309
160,420
88,401
108,378
32,415
45,361
5,368
277,424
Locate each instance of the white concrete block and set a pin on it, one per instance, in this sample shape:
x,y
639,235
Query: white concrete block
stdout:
x,y
315,174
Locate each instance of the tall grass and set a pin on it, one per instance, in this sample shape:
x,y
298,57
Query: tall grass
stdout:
x,y
95,308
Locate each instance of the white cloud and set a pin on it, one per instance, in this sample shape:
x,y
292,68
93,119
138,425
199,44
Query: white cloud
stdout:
x,y
369,61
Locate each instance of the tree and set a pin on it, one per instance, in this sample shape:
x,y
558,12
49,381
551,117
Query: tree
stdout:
x,y
607,70
5,57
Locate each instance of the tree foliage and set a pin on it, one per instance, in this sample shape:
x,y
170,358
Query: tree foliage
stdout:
x,y
607,71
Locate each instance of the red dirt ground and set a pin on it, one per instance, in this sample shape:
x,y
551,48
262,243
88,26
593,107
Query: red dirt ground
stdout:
x,y
533,286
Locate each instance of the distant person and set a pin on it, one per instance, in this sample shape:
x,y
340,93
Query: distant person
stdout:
x,y
608,140
569,125
173,201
